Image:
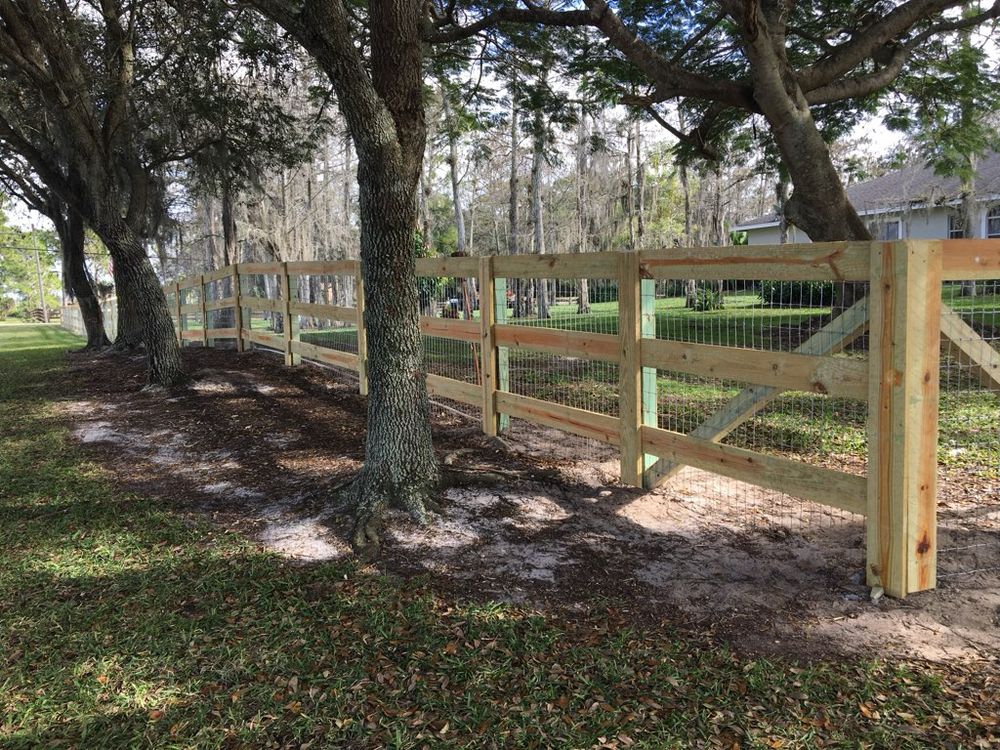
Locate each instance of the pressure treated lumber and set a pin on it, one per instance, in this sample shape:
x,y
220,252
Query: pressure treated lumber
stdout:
x,y
237,299
327,356
323,268
630,369
359,300
833,488
970,260
456,390
580,422
836,376
450,328
488,348
448,267
220,304
821,261
561,266
581,344
904,352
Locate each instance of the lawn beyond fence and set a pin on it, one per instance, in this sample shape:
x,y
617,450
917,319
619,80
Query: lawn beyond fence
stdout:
x,y
856,349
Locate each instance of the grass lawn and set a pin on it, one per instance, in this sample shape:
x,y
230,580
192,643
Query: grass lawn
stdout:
x,y
125,625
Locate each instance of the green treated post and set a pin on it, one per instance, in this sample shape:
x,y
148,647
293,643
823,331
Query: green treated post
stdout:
x,y
503,353
650,395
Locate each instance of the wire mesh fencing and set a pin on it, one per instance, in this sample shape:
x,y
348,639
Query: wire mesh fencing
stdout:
x,y
578,306
331,321
790,381
815,428
969,432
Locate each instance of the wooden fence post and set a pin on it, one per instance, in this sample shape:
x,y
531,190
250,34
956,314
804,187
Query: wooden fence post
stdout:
x,y
291,329
487,346
238,302
359,297
904,360
204,311
630,369
180,320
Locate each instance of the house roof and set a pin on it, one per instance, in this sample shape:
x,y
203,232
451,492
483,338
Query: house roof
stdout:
x,y
913,186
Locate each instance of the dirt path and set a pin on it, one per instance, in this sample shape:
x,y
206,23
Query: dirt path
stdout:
x,y
254,445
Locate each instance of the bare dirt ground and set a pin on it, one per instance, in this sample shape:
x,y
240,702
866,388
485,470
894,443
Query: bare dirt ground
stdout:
x,y
257,446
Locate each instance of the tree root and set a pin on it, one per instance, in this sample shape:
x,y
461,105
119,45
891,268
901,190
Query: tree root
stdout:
x,y
367,496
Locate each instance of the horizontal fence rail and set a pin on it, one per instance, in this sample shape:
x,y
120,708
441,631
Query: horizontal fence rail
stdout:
x,y
281,306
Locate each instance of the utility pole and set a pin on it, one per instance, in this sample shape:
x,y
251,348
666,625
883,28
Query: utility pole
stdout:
x,y
41,287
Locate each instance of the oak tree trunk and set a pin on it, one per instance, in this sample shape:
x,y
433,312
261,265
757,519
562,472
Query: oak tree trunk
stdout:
x,y
400,469
70,229
141,300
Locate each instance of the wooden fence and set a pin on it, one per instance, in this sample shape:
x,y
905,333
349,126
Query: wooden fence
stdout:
x,y
902,313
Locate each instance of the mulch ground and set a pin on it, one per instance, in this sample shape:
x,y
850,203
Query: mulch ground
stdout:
x,y
259,448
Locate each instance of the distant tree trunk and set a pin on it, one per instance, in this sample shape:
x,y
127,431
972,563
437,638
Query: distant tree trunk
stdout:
x,y
425,212
640,184
629,187
520,301
781,195
691,285
968,218
226,317
456,194
537,218
349,178
582,197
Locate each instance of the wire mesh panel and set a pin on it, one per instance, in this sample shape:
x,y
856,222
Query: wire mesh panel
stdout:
x,y
450,298
969,430
191,321
702,398
219,290
329,292
586,377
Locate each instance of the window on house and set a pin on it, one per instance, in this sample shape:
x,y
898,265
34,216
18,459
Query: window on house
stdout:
x,y
888,230
955,229
993,222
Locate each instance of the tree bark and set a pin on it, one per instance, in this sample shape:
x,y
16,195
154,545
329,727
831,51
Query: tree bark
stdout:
x,y
381,99
537,219
72,235
400,468
142,302
819,204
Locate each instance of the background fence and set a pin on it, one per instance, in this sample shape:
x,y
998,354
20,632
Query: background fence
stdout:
x,y
805,380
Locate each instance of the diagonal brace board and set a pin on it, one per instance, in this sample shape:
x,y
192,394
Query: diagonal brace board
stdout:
x,y
830,339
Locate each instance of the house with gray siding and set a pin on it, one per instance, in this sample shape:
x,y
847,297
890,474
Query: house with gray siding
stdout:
x,y
909,203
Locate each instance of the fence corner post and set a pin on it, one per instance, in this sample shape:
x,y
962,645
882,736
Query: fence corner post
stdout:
x,y
238,305
359,301
291,328
904,381
630,378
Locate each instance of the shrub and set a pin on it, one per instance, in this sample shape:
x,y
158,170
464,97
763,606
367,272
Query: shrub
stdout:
x,y
797,293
